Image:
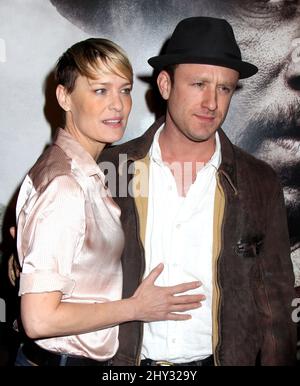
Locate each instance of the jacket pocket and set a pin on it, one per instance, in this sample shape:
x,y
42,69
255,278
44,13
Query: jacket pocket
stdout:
x,y
249,248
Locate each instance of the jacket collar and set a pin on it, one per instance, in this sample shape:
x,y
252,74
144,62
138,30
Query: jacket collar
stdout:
x,y
228,164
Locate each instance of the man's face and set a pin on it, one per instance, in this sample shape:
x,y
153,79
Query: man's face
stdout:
x,y
198,98
266,113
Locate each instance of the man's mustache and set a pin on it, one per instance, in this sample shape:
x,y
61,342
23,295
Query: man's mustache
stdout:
x,y
290,176
274,123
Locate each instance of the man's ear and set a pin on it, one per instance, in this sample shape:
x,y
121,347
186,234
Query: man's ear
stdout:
x,y
164,84
63,97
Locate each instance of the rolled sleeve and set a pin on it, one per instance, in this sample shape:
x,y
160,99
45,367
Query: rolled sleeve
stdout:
x,y
45,281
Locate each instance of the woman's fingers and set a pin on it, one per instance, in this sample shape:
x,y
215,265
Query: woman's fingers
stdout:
x,y
153,275
183,287
12,231
187,299
11,270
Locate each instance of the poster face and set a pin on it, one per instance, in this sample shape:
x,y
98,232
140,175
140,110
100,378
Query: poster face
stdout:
x,y
264,116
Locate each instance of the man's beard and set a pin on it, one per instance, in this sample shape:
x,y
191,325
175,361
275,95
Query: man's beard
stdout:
x,y
274,136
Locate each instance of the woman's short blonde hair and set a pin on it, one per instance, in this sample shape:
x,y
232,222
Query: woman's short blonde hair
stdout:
x,y
86,57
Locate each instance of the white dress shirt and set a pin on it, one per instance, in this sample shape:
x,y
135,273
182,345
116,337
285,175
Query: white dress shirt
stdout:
x,y
179,233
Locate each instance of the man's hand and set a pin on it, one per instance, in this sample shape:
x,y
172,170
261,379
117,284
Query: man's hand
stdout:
x,y
155,303
13,265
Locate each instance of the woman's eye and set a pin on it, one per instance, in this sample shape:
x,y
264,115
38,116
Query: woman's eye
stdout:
x,y
126,90
100,91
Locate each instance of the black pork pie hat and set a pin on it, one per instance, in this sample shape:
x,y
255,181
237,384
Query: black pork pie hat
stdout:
x,y
204,40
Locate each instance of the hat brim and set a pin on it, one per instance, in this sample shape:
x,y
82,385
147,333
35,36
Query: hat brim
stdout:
x,y
245,69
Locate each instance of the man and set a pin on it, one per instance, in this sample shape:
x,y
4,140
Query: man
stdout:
x,y
207,210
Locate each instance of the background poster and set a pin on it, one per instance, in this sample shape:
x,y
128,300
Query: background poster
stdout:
x,y
264,117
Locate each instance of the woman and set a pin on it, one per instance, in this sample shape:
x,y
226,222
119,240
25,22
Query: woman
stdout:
x,y
69,234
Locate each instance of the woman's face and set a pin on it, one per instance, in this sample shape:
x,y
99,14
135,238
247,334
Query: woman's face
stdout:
x,y
97,110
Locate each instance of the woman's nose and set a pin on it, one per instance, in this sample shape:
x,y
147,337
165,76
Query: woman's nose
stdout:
x,y
116,102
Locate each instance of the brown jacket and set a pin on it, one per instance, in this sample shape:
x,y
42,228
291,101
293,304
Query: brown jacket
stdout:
x,y
252,269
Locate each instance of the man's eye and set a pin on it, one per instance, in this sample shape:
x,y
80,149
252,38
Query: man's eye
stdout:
x,y
283,8
275,4
275,1
198,84
225,89
279,3
262,9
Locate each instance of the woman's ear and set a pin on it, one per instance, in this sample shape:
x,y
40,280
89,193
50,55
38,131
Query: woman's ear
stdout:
x,y
164,84
63,97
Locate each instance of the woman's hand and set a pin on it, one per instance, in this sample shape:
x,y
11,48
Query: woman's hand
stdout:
x,y
44,314
153,303
12,264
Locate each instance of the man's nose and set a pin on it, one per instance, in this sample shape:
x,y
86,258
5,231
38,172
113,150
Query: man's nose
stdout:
x,y
293,69
210,99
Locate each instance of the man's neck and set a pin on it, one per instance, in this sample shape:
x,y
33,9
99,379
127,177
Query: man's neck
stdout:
x,y
184,156
176,147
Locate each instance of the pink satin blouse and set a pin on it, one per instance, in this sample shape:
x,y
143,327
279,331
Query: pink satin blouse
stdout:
x,y
70,240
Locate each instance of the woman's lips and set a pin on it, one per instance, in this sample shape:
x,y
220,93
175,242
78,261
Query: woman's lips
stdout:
x,y
113,122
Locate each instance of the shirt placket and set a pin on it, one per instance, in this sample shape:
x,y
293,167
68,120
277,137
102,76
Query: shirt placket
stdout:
x,y
171,250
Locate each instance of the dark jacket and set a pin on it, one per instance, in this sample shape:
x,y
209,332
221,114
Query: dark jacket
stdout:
x,y
253,276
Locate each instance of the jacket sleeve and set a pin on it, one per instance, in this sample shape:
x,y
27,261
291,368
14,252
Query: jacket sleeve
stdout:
x,y
276,292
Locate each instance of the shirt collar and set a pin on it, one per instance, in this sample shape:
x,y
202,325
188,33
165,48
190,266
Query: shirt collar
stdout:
x,y
216,158
155,152
77,153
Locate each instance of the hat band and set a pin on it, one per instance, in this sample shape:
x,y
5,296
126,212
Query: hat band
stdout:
x,y
209,54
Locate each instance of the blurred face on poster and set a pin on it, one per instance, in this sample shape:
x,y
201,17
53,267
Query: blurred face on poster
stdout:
x,y
265,116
